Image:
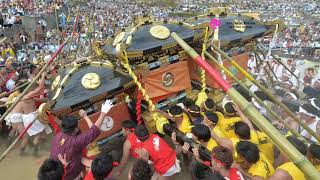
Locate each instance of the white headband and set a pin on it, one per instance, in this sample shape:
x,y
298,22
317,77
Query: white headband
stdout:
x,y
301,110
314,104
256,104
286,75
292,95
287,82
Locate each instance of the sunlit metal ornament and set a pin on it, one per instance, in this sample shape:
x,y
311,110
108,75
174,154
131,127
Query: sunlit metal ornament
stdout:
x,y
160,32
239,25
55,83
42,112
90,81
118,38
167,79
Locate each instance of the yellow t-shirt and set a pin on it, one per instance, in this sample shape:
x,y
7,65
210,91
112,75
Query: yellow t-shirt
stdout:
x,y
185,125
317,167
263,168
266,146
292,170
253,138
211,144
220,116
226,125
218,132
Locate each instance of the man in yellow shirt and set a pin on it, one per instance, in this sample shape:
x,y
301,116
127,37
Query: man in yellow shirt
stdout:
x,y
230,118
176,114
201,133
243,131
288,170
266,146
210,106
314,155
254,162
211,120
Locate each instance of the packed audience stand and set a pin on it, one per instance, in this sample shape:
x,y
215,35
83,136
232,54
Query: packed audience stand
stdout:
x,y
239,150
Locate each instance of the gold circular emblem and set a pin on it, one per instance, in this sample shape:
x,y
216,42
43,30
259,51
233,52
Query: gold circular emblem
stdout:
x,y
167,79
42,112
55,82
160,32
118,38
90,81
239,25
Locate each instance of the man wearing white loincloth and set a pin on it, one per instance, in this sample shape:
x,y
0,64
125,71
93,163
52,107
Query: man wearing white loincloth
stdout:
x,y
14,118
30,113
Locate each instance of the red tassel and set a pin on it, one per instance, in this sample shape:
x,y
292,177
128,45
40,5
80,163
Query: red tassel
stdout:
x,y
138,104
53,123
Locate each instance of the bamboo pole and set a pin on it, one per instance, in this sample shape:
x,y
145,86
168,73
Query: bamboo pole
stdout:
x,y
19,98
273,114
267,92
3,40
265,69
8,93
269,66
3,155
288,69
293,154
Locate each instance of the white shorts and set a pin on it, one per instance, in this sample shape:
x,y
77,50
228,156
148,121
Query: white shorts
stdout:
x,y
36,128
13,118
176,168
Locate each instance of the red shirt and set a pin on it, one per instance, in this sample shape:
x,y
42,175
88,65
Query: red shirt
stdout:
x,y
134,143
161,154
89,176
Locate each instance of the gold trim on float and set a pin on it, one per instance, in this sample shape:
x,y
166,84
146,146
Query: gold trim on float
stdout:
x,y
90,81
160,32
118,38
55,82
42,113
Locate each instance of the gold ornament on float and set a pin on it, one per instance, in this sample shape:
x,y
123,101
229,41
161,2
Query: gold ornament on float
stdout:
x,y
55,83
160,32
118,38
42,113
239,25
167,79
90,81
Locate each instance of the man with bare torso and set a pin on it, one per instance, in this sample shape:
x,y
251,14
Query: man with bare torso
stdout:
x,y
25,112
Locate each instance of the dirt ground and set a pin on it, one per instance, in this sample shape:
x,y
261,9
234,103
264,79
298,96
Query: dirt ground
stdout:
x,y
16,167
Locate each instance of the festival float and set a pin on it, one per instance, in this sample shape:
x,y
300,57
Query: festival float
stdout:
x,y
162,71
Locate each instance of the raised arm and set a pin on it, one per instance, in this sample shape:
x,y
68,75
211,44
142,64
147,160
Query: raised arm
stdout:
x,y
38,89
243,117
105,108
125,157
166,115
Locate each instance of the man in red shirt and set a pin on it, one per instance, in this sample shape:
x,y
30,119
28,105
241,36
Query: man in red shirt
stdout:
x,y
129,146
155,149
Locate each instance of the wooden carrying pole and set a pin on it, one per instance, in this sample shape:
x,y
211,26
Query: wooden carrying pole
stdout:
x,y
267,92
273,114
3,155
34,80
293,154
8,93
